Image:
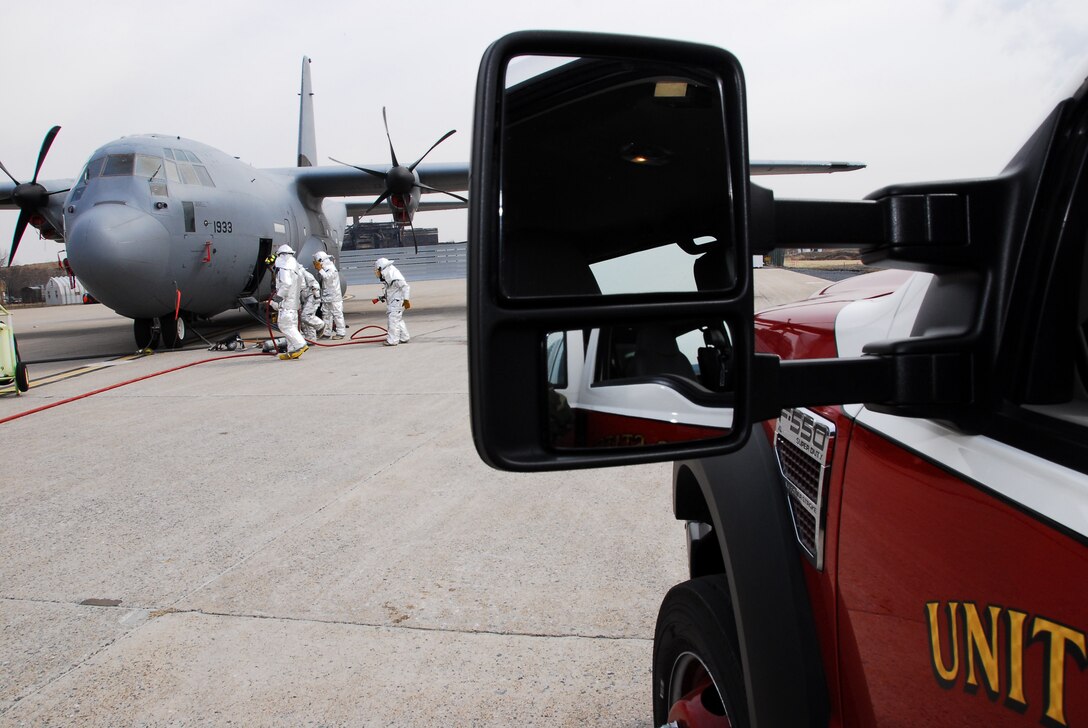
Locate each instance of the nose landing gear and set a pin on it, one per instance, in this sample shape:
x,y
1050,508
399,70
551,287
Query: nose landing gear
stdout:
x,y
173,331
167,331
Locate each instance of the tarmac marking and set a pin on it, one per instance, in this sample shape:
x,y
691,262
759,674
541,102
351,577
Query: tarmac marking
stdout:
x,y
72,373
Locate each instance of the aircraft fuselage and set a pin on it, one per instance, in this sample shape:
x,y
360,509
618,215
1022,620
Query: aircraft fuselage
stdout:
x,y
157,223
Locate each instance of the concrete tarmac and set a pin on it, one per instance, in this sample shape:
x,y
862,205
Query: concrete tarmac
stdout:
x,y
250,541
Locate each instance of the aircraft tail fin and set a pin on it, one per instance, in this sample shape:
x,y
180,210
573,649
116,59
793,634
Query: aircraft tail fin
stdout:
x,y
307,136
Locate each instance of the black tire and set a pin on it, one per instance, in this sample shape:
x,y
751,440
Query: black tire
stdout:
x,y
145,333
22,378
694,641
173,331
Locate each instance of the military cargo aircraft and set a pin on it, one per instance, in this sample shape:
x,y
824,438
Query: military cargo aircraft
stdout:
x,y
166,231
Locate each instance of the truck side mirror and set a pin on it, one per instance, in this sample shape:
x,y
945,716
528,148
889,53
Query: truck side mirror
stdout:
x,y
610,214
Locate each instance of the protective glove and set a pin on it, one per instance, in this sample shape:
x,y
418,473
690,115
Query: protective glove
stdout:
x,y
407,304
275,305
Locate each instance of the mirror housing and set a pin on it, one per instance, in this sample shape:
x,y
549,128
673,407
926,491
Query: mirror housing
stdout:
x,y
531,252
965,233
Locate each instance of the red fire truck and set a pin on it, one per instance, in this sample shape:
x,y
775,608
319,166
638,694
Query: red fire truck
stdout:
x,y
888,519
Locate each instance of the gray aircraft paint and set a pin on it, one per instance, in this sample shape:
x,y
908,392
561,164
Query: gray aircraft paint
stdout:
x,y
128,241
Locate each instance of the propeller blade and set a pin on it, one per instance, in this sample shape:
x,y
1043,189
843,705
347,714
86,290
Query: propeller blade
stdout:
x,y
372,172
67,189
20,226
446,136
380,200
391,152
46,143
435,189
414,241
9,173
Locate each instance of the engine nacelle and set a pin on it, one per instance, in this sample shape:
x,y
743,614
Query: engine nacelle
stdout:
x,y
404,206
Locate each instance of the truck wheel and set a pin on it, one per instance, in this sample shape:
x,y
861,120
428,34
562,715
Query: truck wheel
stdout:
x,y
697,676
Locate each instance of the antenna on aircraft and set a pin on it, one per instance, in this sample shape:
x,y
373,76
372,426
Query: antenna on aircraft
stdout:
x,y
401,180
30,197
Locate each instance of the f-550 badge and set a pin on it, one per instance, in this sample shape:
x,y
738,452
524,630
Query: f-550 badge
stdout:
x,y
803,444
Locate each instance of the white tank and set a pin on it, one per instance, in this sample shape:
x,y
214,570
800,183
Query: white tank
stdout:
x,y
59,291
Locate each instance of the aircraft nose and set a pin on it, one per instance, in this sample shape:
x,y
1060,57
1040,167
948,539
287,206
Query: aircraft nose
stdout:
x,y
120,254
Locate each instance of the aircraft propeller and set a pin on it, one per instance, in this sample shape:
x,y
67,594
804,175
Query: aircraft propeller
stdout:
x,y
400,180
30,196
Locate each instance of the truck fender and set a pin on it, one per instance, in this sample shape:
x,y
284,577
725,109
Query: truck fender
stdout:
x,y
741,497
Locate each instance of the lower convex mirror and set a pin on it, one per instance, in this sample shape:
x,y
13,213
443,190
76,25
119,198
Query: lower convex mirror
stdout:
x,y
639,385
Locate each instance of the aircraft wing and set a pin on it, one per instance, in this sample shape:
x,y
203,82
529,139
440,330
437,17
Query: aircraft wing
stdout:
x,y
356,208
759,167
344,181
6,190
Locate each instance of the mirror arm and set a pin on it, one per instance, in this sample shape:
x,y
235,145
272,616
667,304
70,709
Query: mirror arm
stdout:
x,y
910,384
926,229
778,384
818,224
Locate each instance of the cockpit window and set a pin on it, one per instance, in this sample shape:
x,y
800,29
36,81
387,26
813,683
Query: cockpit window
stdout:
x,y
127,165
93,169
147,166
119,165
176,165
187,169
188,176
172,172
202,174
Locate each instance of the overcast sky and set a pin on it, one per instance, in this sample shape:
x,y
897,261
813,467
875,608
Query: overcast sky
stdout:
x,y
917,90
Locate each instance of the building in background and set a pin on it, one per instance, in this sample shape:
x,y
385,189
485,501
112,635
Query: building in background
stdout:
x,y
367,235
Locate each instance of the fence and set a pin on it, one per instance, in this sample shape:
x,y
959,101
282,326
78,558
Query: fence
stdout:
x,y
432,262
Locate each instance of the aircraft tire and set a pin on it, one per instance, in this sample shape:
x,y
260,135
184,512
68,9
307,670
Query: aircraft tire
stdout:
x,y
696,666
173,331
146,334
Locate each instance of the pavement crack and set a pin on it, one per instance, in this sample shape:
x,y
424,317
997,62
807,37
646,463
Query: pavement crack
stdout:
x,y
416,627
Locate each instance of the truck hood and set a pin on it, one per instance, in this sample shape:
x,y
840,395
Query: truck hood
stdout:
x,y
842,318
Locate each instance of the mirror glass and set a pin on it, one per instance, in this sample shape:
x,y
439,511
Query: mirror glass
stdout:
x,y
635,385
614,179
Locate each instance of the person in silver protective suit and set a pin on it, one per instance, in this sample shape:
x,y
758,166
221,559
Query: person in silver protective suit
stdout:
x,y
396,298
286,301
311,299
332,300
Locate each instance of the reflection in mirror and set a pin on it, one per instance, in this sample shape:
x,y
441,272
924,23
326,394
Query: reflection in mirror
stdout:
x,y
638,385
615,179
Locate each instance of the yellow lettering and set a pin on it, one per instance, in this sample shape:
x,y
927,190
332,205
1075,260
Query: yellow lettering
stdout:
x,y
983,645
946,676
1016,657
1057,636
